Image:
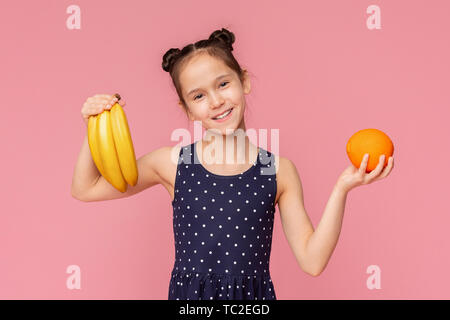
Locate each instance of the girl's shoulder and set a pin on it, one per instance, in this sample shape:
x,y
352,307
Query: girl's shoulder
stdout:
x,y
168,161
162,161
286,173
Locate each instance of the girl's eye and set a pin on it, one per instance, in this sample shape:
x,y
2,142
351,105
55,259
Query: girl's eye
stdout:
x,y
226,82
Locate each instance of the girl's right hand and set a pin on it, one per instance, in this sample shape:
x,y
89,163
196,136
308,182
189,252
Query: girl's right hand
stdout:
x,y
97,103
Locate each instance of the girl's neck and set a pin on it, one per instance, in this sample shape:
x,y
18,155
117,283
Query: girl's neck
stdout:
x,y
227,151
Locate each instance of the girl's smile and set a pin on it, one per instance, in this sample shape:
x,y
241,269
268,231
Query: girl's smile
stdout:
x,y
224,116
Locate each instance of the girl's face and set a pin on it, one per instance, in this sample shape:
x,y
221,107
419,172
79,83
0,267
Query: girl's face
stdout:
x,y
210,88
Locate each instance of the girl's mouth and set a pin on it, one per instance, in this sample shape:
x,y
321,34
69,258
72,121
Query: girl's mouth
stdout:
x,y
224,117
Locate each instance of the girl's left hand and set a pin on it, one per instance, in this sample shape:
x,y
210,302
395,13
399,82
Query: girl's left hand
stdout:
x,y
353,177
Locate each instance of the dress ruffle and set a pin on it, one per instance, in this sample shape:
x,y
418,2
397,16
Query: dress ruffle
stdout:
x,y
212,286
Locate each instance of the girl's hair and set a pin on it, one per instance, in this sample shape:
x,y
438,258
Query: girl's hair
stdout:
x,y
219,45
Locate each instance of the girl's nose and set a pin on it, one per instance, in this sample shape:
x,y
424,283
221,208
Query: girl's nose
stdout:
x,y
217,101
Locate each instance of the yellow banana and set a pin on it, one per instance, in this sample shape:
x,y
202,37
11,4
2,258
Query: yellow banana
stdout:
x,y
124,144
108,154
93,143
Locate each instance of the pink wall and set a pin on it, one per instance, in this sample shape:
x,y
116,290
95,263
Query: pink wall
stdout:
x,y
318,74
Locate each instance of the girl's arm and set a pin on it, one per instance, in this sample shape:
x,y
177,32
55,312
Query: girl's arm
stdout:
x,y
321,243
89,185
312,248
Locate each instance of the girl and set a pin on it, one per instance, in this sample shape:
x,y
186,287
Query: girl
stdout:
x,y
223,213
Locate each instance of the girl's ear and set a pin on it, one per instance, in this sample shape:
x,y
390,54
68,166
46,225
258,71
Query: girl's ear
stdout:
x,y
246,82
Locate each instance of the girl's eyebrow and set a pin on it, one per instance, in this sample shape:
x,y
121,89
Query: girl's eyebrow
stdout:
x,y
219,77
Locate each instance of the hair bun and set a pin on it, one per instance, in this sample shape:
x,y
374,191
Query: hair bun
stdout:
x,y
224,36
169,58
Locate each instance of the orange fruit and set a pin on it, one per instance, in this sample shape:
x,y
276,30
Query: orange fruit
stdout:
x,y
371,141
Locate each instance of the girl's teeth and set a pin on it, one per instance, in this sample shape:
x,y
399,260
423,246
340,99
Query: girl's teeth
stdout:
x,y
224,115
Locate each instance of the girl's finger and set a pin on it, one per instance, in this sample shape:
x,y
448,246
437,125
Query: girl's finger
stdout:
x,y
112,102
376,172
363,165
103,96
388,168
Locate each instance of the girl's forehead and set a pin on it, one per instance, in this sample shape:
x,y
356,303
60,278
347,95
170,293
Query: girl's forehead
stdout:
x,y
203,65
200,74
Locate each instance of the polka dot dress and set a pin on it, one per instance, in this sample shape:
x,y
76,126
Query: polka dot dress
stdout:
x,y
223,230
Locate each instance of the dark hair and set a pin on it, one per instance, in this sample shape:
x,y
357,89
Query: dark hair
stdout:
x,y
219,45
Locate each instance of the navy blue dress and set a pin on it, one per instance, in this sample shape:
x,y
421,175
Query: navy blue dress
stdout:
x,y
223,230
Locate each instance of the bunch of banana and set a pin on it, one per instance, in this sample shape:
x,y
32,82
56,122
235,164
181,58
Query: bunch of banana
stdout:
x,y
112,148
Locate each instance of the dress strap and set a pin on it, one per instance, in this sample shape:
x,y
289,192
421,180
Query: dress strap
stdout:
x,y
186,154
266,161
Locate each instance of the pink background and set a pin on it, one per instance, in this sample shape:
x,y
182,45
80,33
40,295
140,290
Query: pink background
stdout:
x,y
318,75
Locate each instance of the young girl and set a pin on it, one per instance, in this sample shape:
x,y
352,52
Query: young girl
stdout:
x,y
223,213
